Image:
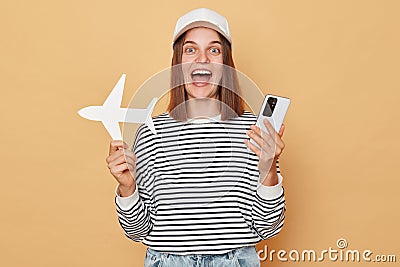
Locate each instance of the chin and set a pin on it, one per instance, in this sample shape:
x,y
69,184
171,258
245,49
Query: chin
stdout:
x,y
202,92
203,95
200,96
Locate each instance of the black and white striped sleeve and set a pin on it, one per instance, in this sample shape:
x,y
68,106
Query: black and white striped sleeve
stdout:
x,y
268,211
136,212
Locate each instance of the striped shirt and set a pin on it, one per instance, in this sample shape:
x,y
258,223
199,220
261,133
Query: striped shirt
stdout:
x,y
198,189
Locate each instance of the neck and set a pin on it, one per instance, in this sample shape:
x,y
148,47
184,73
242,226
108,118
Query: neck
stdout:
x,y
202,107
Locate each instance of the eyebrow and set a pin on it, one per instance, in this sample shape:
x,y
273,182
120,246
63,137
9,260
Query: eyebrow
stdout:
x,y
193,42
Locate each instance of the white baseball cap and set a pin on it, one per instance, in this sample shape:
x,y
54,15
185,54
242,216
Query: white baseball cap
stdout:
x,y
202,17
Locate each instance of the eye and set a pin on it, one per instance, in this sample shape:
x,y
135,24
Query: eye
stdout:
x,y
189,50
215,50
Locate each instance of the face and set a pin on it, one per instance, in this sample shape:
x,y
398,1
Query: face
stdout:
x,y
202,62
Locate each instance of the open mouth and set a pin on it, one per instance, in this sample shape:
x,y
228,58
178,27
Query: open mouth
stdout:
x,y
201,77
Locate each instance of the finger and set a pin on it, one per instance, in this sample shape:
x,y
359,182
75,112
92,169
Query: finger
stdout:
x,y
119,155
119,169
281,130
271,130
255,129
130,167
279,141
253,135
128,153
269,145
252,147
115,145
117,161
130,160
263,144
280,146
276,147
269,127
265,137
120,152
116,154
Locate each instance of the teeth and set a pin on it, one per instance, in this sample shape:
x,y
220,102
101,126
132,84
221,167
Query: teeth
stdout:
x,y
201,72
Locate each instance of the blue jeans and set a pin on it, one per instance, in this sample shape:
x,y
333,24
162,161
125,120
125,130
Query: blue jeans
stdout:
x,y
241,257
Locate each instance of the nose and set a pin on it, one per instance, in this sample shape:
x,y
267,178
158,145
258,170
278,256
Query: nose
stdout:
x,y
202,57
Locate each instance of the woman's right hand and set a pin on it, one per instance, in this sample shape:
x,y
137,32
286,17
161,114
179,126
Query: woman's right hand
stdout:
x,y
121,162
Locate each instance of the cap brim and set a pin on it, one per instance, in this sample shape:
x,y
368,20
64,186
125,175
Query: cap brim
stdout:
x,y
196,24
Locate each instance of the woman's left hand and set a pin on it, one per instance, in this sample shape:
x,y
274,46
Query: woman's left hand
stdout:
x,y
271,146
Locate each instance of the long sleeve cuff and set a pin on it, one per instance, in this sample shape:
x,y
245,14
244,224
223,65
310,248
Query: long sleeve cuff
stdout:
x,y
128,202
271,192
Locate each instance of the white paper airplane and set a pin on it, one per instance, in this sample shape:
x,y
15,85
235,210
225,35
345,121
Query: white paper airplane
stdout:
x,y
111,112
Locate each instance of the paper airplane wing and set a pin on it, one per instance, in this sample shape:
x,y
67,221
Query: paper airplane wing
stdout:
x,y
115,98
113,129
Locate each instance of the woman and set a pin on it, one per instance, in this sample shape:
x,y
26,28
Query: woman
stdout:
x,y
199,193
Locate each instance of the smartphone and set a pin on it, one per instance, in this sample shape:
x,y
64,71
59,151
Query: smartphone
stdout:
x,y
274,109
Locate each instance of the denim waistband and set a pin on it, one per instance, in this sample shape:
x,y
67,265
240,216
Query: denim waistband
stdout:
x,y
228,255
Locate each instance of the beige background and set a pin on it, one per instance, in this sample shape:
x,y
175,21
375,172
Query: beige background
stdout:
x,y
337,60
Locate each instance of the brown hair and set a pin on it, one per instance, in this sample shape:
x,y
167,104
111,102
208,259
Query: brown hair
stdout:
x,y
228,91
